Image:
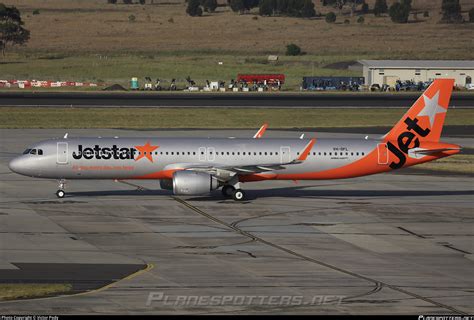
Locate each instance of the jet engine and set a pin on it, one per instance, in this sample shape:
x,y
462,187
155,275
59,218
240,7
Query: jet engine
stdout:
x,y
166,184
193,183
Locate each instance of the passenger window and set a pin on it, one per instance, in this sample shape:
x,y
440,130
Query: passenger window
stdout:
x,y
363,153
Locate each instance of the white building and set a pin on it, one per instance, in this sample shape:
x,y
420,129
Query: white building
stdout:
x,y
389,71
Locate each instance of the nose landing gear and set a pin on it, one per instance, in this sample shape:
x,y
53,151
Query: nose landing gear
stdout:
x,y
61,193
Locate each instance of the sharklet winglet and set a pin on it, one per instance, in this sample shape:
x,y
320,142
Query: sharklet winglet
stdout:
x,y
261,131
306,150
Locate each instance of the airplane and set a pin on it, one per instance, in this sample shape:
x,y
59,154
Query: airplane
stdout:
x,y
196,166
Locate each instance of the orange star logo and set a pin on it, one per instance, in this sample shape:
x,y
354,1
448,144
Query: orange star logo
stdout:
x,y
146,151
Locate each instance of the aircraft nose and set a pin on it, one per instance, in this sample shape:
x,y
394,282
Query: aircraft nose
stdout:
x,y
16,165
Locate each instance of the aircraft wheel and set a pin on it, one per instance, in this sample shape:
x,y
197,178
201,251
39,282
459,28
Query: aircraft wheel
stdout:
x,y
60,193
227,190
238,195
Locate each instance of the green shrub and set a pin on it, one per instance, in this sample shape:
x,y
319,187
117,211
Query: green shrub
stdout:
x,y
331,17
293,50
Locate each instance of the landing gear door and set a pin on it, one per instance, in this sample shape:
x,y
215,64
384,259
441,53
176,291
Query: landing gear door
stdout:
x,y
382,153
285,155
62,153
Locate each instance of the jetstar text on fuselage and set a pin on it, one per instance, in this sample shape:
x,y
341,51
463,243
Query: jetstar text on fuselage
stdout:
x,y
105,153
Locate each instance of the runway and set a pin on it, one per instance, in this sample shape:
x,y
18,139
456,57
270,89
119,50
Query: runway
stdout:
x,y
222,100
392,243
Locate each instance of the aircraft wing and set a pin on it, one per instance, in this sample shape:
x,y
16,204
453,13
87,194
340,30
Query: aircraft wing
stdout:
x,y
222,169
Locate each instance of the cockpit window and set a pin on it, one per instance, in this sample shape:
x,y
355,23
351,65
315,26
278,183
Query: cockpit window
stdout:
x,y
33,151
26,151
40,152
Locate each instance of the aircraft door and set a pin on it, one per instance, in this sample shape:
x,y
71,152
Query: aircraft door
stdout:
x,y
382,153
285,154
62,149
211,154
202,154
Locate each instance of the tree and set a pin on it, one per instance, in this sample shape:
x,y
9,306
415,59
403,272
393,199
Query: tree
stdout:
x,y
399,12
293,50
237,5
249,4
11,28
308,9
210,5
282,6
365,8
360,20
112,1
331,17
380,7
265,8
194,8
127,1
471,15
451,11
142,1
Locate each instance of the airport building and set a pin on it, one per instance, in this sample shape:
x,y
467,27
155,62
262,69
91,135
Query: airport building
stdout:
x,y
389,71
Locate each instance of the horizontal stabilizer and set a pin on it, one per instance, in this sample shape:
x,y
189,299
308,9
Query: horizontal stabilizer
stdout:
x,y
420,152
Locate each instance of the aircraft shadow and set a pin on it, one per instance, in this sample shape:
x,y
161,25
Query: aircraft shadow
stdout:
x,y
288,192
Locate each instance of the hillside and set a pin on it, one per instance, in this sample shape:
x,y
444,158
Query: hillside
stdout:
x,y
95,26
90,40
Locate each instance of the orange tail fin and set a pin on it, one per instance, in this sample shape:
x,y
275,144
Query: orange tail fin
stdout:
x,y
425,118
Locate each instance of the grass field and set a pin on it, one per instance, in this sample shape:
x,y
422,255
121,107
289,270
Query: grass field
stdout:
x,y
34,290
156,118
90,40
459,163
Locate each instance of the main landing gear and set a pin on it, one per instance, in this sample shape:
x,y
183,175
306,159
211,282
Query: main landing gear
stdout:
x,y
231,191
61,193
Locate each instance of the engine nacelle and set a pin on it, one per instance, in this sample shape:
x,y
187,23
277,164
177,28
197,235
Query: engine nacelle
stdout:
x,y
193,183
166,184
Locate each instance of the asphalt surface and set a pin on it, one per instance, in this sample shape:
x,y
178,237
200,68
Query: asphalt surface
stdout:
x,y
81,276
251,100
383,244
